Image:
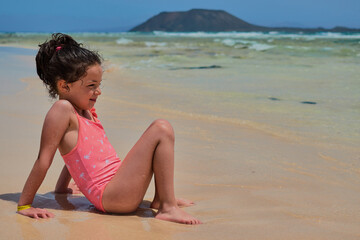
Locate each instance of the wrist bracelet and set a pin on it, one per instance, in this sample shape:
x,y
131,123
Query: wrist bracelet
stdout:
x,y
23,207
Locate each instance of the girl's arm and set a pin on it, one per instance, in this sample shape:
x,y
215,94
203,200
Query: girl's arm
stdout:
x,y
63,186
63,181
55,125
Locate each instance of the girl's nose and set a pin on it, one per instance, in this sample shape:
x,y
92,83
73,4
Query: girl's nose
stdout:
x,y
98,91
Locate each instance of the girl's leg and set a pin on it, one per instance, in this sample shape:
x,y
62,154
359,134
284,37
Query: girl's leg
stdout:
x,y
153,153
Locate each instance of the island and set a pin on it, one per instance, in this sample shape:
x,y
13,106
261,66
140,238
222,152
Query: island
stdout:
x,y
203,20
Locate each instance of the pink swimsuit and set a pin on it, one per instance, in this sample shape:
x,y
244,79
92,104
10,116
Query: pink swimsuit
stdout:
x,y
93,162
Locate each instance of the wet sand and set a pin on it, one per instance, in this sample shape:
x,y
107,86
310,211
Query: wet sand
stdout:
x,y
247,184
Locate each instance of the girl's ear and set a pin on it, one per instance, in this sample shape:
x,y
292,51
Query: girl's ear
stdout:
x,y
62,86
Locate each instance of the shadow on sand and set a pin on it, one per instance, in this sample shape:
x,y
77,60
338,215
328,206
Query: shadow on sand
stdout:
x,y
71,202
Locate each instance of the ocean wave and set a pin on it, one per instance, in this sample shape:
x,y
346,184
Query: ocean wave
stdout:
x,y
256,35
260,35
250,44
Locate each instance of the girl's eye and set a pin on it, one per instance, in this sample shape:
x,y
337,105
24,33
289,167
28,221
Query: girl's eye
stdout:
x,y
94,86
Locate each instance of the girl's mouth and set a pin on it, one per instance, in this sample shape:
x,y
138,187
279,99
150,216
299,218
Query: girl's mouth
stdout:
x,y
94,100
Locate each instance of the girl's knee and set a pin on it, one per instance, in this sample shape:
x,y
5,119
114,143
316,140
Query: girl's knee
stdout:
x,y
129,208
121,209
122,205
164,128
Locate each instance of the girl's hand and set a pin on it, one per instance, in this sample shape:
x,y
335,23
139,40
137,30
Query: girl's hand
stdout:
x,y
36,213
73,188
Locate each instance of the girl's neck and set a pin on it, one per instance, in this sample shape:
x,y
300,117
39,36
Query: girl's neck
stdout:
x,y
84,113
81,112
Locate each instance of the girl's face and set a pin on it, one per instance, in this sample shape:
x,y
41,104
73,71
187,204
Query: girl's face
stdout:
x,y
84,92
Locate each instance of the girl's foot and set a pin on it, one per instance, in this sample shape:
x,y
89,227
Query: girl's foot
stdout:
x,y
175,214
181,202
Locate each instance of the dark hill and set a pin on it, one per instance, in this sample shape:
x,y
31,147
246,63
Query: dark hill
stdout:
x,y
196,20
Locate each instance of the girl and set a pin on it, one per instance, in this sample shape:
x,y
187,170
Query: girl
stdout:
x,y
74,74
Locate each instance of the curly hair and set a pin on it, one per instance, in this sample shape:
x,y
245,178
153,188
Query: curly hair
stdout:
x,y
63,58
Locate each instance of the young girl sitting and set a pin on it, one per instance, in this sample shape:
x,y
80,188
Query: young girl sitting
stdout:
x,y
74,74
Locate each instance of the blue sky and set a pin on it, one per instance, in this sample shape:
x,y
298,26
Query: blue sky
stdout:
x,y
92,15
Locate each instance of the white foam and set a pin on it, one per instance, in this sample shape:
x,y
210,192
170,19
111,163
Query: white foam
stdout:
x,y
260,46
252,44
246,42
124,41
155,44
228,42
297,47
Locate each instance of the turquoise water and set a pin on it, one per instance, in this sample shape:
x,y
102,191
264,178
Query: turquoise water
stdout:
x,y
299,86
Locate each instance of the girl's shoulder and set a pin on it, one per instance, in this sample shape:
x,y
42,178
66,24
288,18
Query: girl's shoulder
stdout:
x,y
63,106
61,110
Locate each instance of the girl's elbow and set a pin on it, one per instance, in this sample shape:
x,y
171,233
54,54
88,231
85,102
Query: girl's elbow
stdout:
x,y
62,190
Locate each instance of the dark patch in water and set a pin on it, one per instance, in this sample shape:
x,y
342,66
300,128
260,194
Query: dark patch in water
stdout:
x,y
274,99
201,67
238,57
308,102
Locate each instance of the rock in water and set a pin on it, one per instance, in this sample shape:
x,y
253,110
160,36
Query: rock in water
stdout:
x,y
308,102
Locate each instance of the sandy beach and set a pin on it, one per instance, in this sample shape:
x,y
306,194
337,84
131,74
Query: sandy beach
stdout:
x,y
248,183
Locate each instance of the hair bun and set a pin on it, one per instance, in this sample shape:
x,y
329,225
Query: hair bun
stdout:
x,y
47,51
60,39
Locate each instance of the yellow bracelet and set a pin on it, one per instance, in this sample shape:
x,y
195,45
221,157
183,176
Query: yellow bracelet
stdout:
x,y
23,207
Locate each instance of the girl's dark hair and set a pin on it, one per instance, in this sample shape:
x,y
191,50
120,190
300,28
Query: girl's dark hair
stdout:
x,y
63,58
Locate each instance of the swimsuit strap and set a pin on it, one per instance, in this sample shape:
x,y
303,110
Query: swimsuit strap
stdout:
x,y
93,115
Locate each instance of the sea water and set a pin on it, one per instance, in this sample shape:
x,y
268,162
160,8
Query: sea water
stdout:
x,y
299,86
11,71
